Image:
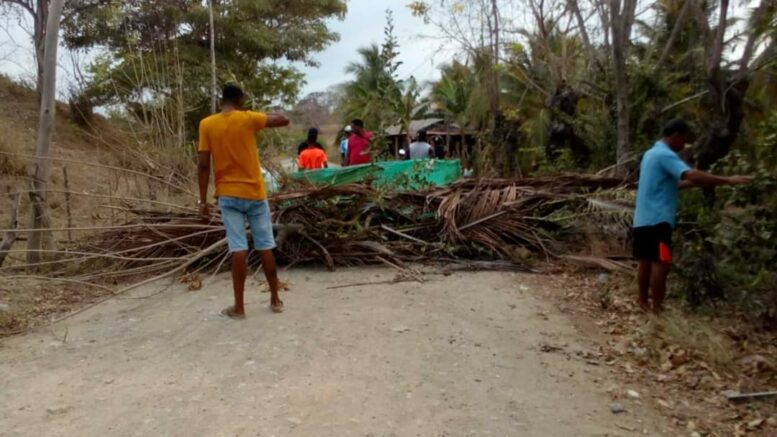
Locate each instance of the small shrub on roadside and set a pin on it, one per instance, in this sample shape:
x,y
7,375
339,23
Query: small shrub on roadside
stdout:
x,y
728,250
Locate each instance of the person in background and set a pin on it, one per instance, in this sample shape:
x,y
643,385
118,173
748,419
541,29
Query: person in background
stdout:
x,y
228,139
312,158
359,151
662,174
344,143
439,148
312,141
420,149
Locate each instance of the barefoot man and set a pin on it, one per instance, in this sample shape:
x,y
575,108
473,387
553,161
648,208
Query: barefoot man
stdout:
x,y
229,140
662,173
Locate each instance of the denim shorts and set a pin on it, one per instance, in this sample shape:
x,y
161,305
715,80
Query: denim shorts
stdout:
x,y
236,212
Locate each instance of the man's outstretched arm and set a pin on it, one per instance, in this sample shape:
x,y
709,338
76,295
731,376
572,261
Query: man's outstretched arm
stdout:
x,y
203,177
698,178
277,120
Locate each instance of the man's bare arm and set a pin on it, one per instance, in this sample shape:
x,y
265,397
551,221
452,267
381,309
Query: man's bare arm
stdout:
x,y
367,150
203,176
277,120
700,178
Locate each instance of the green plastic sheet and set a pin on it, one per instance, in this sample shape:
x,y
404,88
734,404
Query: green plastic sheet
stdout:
x,y
398,175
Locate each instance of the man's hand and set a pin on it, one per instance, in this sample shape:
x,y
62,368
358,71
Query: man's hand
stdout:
x,y
740,180
277,120
703,179
205,211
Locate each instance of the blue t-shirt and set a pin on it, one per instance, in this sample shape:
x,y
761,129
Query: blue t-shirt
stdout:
x,y
659,175
344,146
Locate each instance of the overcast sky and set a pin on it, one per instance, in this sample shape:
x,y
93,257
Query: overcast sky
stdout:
x,y
420,54
363,25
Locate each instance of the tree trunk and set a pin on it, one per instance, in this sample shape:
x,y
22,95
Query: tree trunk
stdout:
x,y
494,86
621,19
39,18
726,123
42,166
727,97
589,48
213,84
719,140
678,26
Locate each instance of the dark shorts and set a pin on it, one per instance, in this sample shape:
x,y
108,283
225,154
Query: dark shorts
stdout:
x,y
653,243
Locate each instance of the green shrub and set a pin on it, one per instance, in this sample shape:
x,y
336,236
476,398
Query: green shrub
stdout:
x,y
727,240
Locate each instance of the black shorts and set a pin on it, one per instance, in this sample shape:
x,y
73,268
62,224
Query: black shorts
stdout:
x,y
653,243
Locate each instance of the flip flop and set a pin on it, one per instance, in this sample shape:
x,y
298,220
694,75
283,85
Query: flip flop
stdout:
x,y
277,309
230,312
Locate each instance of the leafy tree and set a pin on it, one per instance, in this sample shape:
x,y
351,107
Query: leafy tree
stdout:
x,y
410,105
157,49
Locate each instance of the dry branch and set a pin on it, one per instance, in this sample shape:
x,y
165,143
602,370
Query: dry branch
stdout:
x,y
474,224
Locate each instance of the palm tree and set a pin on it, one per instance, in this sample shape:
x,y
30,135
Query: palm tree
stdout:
x,y
411,105
461,96
373,95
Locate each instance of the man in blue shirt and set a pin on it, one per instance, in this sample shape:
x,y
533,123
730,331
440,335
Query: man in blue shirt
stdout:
x,y
662,174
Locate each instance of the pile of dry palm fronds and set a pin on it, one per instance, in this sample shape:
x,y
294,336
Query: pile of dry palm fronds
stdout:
x,y
489,219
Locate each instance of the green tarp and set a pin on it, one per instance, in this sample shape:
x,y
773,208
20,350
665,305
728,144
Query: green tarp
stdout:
x,y
400,175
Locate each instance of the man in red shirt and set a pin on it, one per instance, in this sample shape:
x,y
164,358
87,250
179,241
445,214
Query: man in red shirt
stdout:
x,y
359,144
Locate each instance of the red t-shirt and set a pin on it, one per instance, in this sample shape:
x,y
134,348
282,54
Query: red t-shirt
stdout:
x,y
356,145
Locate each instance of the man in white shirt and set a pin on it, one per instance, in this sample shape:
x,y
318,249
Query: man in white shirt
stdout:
x,y
420,149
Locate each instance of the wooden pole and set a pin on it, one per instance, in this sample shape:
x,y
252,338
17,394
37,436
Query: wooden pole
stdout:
x,y
67,205
42,166
10,236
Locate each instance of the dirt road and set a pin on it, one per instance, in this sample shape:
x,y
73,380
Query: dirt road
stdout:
x,y
470,354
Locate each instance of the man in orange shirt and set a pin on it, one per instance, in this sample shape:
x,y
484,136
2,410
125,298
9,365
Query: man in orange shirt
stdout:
x,y
312,158
229,140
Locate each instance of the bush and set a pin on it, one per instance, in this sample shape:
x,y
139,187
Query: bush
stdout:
x,y
728,239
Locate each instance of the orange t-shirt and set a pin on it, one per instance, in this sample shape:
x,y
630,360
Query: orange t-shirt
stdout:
x,y
312,158
230,137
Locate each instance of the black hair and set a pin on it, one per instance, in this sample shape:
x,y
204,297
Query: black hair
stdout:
x,y
232,94
312,133
676,126
357,122
422,135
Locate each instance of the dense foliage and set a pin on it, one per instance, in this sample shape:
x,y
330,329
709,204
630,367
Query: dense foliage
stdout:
x,y
728,240
156,51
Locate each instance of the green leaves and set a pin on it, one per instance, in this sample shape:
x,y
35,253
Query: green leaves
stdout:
x,y
160,48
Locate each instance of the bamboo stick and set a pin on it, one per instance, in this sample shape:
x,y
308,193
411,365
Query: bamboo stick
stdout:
x,y
119,227
108,196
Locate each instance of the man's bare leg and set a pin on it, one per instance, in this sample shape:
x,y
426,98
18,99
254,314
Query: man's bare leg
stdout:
x,y
644,284
239,272
659,273
271,273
